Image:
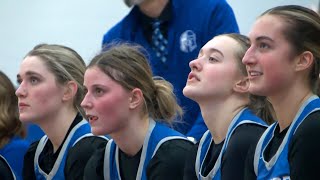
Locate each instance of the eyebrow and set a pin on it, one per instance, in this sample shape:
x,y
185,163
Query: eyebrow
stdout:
x,y
211,50
260,38
29,73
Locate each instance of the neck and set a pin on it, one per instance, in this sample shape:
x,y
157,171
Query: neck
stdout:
x,y
287,103
130,139
218,115
57,125
153,8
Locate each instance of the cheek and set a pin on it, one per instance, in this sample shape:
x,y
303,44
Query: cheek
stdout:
x,y
47,96
112,109
222,77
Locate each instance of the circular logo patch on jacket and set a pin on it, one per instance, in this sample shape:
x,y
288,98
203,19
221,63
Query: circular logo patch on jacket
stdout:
x,y
188,41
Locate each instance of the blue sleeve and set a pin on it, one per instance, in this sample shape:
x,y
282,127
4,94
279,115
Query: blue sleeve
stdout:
x,y
222,20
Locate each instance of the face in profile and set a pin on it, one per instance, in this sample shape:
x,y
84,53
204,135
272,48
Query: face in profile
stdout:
x,y
215,71
106,103
39,95
269,60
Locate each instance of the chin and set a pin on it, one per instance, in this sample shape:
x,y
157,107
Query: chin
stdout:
x,y
97,131
189,93
25,119
256,91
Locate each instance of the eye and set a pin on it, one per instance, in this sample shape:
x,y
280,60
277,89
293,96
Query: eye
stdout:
x,y
213,59
264,46
98,91
34,80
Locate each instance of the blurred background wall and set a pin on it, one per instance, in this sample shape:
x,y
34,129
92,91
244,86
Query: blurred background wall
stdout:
x,y
80,24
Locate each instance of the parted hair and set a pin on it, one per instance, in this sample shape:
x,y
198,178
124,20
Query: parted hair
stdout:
x,y
66,65
302,31
127,64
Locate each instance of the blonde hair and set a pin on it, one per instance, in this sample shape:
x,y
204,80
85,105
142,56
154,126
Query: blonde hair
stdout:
x,y
66,65
127,65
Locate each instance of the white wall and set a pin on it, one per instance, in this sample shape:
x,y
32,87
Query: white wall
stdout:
x,y
247,11
80,24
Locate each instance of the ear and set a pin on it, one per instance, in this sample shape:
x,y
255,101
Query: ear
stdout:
x,y
304,61
70,90
242,86
136,98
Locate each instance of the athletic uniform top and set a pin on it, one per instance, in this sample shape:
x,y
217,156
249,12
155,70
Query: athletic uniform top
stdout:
x,y
6,172
161,157
294,152
226,159
69,160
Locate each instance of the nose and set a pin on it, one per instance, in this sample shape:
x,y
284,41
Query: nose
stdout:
x,y
21,91
195,64
86,104
248,57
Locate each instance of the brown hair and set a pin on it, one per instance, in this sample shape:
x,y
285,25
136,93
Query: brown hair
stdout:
x,y
127,65
10,125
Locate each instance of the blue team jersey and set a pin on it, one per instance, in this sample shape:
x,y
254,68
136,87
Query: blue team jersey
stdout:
x,y
278,166
14,152
80,131
245,116
157,135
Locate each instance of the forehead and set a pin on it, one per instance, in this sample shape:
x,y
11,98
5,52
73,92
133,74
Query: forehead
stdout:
x,y
33,64
268,26
95,75
224,44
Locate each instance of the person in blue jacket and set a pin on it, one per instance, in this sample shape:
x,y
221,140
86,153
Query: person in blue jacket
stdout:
x,y
283,65
186,25
49,94
12,132
219,83
124,101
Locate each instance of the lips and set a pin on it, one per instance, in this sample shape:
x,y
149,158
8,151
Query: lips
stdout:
x,y
92,118
253,74
23,104
192,76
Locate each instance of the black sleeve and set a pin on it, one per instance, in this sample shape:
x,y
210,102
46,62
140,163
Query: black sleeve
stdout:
x,y
94,168
79,155
249,173
5,171
28,162
168,162
189,167
304,148
233,161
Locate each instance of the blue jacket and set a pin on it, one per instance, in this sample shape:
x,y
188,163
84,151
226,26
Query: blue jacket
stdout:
x,y
278,166
244,116
80,131
193,23
157,135
14,153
